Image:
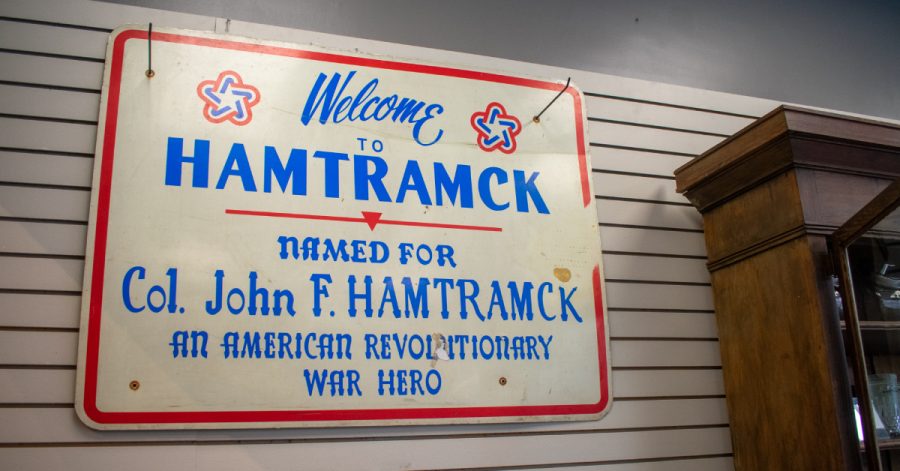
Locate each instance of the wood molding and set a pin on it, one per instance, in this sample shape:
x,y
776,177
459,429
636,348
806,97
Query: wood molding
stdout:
x,y
770,196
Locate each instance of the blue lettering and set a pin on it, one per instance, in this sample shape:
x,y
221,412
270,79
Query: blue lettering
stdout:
x,y
484,187
531,347
365,295
448,186
332,169
175,158
213,308
284,344
465,298
371,344
408,382
546,344
485,353
328,101
269,339
237,165
198,340
566,303
389,297
230,344
379,252
251,346
386,106
385,381
288,243
526,189
310,338
319,290
256,292
179,343
315,381
363,96
521,303
294,171
413,180
417,129
540,300
497,301
335,251
442,284
416,299
126,287
359,251
460,185
363,178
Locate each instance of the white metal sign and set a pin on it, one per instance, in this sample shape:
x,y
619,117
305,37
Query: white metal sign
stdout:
x,y
286,236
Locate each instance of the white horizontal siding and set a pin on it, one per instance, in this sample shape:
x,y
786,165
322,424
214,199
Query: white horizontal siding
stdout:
x,y
617,109
424,453
40,70
635,295
650,268
52,40
60,425
685,464
39,310
50,103
48,135
45,169
627,135
636,187
669,411
650,324
627,239
645,162
37,348
43,238
644,215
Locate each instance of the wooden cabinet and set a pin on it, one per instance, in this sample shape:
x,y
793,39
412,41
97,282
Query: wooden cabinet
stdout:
x,y
866,252
770,196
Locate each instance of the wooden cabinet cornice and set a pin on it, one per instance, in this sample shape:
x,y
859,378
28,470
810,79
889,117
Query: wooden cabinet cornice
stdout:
x,y
769,196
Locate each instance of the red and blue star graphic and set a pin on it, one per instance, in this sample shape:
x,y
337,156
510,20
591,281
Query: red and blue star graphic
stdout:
x,y
497,130
228,98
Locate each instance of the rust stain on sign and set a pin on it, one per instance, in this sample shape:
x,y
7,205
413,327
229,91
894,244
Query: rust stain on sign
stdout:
x,y
562,274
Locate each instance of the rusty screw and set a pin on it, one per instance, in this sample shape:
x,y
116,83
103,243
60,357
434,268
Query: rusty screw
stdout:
x,y
502,381
134,385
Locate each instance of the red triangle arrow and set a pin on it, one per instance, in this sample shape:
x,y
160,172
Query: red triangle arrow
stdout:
x,y
371,218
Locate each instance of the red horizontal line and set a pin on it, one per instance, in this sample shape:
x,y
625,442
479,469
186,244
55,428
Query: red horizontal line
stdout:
x,y
317,217
440,225
394,222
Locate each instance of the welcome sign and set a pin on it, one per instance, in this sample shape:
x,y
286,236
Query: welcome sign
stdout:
x,y
285,236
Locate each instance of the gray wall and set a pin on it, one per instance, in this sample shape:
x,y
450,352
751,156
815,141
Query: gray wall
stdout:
x,y
835,54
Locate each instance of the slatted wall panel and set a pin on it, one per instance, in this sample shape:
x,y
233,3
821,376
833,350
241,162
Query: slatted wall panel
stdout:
x,y
669,409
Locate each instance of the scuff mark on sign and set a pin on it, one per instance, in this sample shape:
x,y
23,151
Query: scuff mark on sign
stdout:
x,y
440,351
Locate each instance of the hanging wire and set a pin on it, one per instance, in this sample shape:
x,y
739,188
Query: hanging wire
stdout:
x,y
150,73
537,118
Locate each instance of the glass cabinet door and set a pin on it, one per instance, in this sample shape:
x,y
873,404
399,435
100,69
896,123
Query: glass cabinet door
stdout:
x,y
867,262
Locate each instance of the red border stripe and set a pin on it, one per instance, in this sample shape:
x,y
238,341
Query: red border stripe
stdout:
x,y
98,268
